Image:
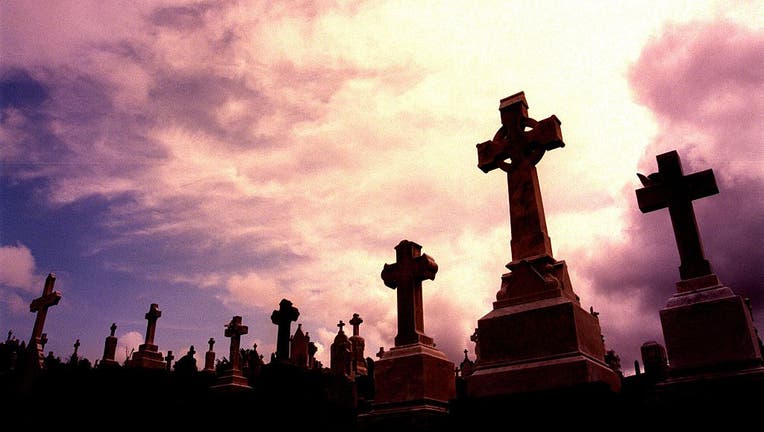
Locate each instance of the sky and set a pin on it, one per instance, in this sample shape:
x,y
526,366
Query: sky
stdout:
x,y
216,157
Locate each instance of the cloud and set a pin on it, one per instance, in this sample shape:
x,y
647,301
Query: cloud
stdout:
x,y
126,344
703,83
17,268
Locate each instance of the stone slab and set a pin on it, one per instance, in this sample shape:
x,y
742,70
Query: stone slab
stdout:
x,y
708,328
413,372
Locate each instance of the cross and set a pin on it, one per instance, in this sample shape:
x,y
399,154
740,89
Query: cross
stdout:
x,y
283,318
211,342
152,316
234,330
41,304
669,187
169,358
406,274
356,322
380,353
113,329
76,347
43,340
525,149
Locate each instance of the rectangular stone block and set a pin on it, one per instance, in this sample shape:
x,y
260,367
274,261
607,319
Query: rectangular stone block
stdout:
x,y
414,373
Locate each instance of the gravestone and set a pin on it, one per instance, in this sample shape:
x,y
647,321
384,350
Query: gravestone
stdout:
x,y
312,350
109,349
537,337
299,348
40,305
341,353
283,318
706,326
75,358
232,378
186,365
148,355
359,361
209,357
413,381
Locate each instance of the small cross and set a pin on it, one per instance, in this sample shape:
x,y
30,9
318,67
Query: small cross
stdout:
x,y
669,187
76,347
340,325
43,340
283,317
113,329
152,316
406,274
234,330
41,304
169,358
211,342
356,323
381,352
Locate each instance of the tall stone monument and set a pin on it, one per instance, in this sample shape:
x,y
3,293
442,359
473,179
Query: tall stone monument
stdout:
x,y
283,318
109,349
706,326
414,380
358,364
299,348
537,337
341,353
232,378
40,305
148,355
209,357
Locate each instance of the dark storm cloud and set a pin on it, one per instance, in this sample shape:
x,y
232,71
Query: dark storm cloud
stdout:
x,y
704,83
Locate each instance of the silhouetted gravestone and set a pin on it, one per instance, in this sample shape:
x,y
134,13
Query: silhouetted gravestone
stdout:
x,y
413,380
312,350
148,355
232,378
655,360
537,337
110,349
43,340
283,318
186,365
255,362
75,357
168,360
706,326
40,305
341,352
359,344
299,352
209,357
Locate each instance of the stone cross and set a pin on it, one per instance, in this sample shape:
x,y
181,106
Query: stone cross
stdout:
x,y
113,329
43,340
524,149
41,304
76,347
356,323
211,342
669,187
406,274
283,318
235,330
152,316
169,358
341,325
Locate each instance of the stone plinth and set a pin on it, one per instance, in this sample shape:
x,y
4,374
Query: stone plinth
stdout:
x,y
231,381
109,350
147,357
708,327
538,337
414,384
415,372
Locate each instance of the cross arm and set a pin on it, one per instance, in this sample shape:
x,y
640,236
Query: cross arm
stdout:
x,y
426,267
701,184
652,198
390,275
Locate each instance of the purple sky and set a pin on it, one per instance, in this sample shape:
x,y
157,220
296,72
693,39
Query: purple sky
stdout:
x,y
214,157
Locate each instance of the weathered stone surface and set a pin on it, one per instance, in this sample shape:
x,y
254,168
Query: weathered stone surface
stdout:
x,y
414,373
537,337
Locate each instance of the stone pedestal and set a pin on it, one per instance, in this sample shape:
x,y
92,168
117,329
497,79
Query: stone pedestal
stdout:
x,y
538,337
414,384
231,381
109,351
709,326
147,357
